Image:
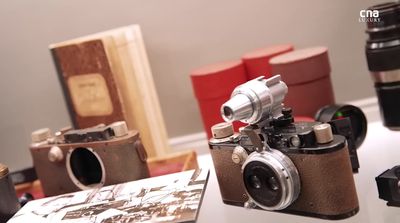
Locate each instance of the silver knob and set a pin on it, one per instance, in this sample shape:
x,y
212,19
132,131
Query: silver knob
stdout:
x,y
120,128
40,135
295,141
323,133
239,155
222,130
55,154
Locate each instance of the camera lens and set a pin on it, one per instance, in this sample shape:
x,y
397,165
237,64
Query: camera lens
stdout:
x,y
271,179
255,182
262,186
85,168
270,182
386,28
383,57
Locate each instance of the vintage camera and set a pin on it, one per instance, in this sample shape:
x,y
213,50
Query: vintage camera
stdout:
x,y
277,164
388,184
73,160
383,56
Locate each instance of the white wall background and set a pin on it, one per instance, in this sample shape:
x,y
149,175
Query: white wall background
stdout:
x,y
180,35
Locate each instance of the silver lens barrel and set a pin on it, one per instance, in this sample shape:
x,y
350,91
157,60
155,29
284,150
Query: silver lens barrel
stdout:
x,y
255,99
389,76
285,177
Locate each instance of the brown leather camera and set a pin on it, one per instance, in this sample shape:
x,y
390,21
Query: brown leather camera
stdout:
x,y
277,164
73,160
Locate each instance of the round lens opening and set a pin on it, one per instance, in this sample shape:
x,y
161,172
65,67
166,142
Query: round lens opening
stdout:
x,y
86,167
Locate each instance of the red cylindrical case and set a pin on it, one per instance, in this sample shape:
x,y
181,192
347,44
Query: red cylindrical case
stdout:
x,y
213,85
307,74
257,62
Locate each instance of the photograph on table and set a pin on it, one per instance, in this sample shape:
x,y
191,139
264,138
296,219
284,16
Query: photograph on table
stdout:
x,y
175,197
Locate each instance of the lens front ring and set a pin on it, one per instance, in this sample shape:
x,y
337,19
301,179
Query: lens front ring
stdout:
x,y
271,179
79,174
389,76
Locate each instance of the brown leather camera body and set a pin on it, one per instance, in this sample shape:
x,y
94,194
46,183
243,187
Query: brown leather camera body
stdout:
x,y
69,167
327,184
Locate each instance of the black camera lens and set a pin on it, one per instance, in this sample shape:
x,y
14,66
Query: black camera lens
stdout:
x,y
383,57
262,184
383,28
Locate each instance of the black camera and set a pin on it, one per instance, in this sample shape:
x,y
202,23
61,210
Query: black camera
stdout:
x,y
277,164
383,57
388,184
82,159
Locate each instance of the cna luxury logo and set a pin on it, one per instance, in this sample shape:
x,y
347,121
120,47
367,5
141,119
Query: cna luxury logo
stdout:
x,y
369,16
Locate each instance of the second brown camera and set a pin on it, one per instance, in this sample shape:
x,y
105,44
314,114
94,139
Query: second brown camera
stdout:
x,y
72,160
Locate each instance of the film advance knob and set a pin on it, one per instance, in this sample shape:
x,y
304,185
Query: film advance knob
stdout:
x,y
41,135
55,154
120,128
239,155
323,133
222,130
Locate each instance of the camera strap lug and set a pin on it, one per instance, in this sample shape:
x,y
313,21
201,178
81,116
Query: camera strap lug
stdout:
x,y
141,150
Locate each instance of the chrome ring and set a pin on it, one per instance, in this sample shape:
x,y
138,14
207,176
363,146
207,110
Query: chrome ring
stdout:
x,y
76,181
386,76
380,45
286,171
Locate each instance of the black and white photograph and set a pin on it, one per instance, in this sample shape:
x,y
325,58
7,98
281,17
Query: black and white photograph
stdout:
x,y
169,198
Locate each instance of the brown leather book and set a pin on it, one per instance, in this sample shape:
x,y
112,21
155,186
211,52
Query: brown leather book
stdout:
x,y
106,77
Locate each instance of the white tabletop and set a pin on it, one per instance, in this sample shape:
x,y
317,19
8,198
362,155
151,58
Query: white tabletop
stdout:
x,y
379,152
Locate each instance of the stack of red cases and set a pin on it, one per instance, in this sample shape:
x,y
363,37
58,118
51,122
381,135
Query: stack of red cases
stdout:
x,y
257,62
213,85
307,74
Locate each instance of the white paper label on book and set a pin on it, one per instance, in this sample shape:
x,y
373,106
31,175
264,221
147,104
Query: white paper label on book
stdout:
x,y
90,95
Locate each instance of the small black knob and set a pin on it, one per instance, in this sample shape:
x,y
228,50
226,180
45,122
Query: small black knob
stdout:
x,y
287,111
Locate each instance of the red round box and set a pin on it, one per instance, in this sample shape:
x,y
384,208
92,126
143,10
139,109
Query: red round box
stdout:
x,y
213,85
307,74
256,62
